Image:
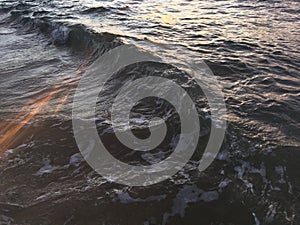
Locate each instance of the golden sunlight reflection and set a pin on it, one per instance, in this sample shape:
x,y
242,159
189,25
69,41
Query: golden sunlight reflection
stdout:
x,y
162,16
63,101
11,132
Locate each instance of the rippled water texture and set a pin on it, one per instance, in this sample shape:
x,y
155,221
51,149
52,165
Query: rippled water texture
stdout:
x,y
251,46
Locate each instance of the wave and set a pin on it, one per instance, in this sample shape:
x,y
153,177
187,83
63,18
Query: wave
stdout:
x,y
77,37
100,9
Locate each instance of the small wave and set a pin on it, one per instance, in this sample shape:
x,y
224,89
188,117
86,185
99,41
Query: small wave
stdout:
x,y
100,9
76,36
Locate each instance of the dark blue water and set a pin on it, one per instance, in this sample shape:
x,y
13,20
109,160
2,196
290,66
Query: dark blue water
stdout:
x,y
251,46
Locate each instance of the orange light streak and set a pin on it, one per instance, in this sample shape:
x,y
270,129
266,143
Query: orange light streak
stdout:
x,y
8,138
9,130
63,101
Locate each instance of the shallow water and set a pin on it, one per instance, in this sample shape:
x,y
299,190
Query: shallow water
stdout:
x,y
251,46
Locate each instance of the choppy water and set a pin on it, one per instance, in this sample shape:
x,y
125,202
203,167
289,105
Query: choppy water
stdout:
x,y
251,46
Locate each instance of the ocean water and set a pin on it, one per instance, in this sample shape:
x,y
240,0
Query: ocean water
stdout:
x,y
251,46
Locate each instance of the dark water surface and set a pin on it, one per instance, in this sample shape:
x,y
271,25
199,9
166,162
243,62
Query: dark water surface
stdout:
x,y
251,46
